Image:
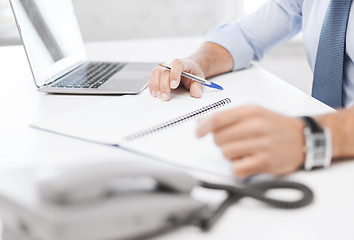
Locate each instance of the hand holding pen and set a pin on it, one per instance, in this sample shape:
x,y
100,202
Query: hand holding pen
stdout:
x,y
182,71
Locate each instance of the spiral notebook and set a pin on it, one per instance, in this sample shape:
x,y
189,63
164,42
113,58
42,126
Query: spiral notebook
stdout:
x,y
176,121
162,131
174,141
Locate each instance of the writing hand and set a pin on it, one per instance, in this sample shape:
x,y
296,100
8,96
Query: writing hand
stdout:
x,y
161,81
257,140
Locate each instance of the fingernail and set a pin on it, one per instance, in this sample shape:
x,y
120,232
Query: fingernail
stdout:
x,y
202,120
153,93
200,132
174,84
197,134
200,92
164,97
158,94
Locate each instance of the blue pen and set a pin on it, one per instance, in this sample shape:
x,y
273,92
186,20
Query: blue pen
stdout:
x,y
195,78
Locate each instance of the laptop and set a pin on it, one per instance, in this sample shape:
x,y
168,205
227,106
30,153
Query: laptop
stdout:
x,y
56,53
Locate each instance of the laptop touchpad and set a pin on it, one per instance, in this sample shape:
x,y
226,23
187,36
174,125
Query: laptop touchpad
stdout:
x,y
131,75
131,78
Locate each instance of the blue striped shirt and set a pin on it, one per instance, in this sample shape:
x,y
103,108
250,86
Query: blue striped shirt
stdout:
x,y
276,22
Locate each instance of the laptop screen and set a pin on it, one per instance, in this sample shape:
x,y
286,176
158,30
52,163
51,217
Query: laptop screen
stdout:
x,y
50,35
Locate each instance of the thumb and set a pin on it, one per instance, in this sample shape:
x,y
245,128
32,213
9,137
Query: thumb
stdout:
x,y
196,89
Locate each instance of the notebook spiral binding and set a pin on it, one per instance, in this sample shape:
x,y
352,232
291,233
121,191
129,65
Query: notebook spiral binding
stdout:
x,y
177,120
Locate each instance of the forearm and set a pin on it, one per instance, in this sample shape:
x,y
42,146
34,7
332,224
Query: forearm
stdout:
x,y
341,126
213,59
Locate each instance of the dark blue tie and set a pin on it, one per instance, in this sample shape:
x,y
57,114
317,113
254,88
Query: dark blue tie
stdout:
x,y
329,67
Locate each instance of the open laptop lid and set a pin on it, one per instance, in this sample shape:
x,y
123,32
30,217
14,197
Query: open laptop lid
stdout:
x,y
50,35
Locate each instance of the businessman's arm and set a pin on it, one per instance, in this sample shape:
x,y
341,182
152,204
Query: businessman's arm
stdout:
x,y
341,125
233,46
210,60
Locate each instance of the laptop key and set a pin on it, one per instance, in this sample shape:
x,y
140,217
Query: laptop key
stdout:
x,y
89,75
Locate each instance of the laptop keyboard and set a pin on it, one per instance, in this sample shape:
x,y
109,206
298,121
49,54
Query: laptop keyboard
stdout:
x,y
89,75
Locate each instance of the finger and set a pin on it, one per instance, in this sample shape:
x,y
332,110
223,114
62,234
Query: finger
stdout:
x,y
243,130
195,89
177,67
165,85
225,118
154,83
239,149
186,82
152,92
249,166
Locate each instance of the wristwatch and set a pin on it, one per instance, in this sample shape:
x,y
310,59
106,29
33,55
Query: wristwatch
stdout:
x,y
318,144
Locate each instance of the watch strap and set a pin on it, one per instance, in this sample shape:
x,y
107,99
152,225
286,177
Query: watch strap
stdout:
x,y
312,124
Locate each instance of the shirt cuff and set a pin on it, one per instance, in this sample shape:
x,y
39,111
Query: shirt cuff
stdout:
x,y
232,39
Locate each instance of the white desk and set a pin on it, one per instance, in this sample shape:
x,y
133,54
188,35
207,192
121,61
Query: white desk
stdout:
x,y
331,216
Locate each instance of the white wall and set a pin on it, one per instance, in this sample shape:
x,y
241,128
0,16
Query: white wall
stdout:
x,y
126,19
290,64
8,31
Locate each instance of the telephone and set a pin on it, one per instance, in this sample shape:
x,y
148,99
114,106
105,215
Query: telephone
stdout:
x,y
100,201
115,200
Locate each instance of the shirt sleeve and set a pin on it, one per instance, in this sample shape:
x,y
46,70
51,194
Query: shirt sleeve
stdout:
x,y
250,38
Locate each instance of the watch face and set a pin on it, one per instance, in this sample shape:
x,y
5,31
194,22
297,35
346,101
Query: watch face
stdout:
x,y
319,146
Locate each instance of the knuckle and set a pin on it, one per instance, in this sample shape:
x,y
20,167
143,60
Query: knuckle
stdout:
x,y
268,145
215,120
165,74
177,62
217,139
152,86
265,162
227,153
165,79
152,83
257,124
239,173
156,71
254,110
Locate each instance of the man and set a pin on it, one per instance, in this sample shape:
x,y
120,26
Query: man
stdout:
x,y
257,140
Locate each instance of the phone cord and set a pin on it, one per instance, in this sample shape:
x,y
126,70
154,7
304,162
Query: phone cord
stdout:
x,y
257,191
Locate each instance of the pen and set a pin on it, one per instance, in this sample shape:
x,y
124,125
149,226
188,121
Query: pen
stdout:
x,y
195,78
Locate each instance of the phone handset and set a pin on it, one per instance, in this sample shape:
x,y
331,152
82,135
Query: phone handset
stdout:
x,y
99,180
